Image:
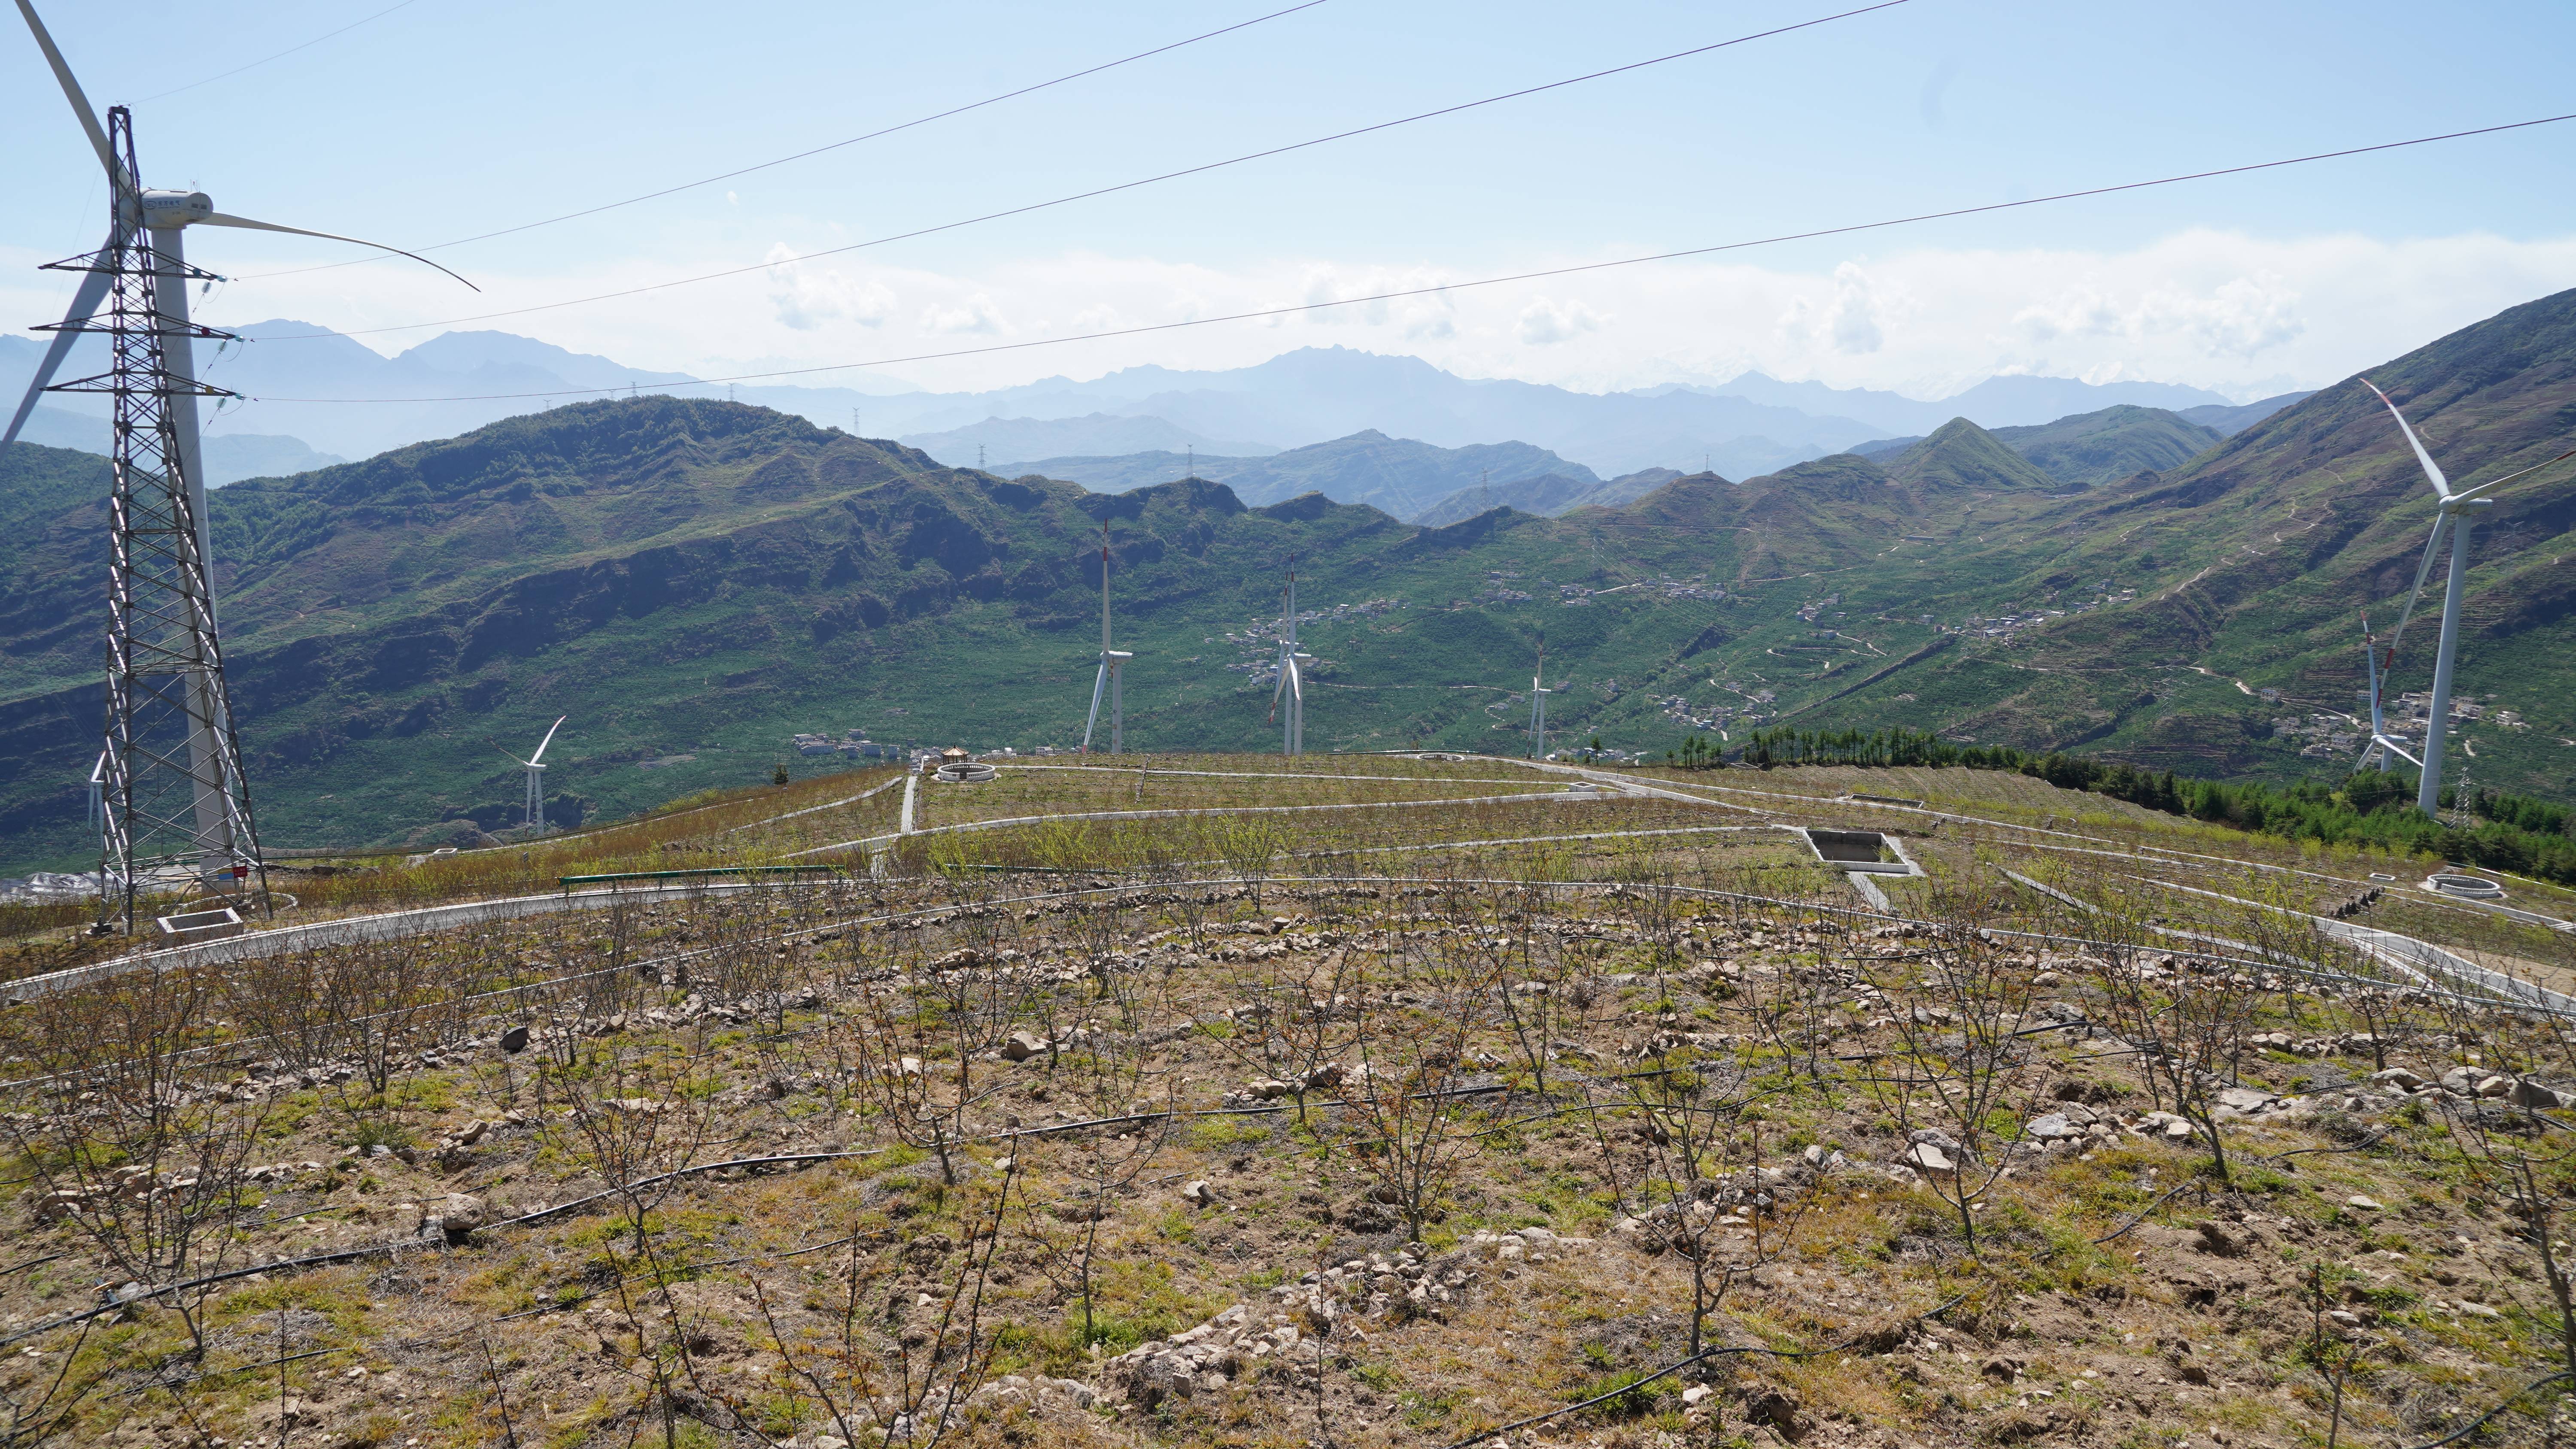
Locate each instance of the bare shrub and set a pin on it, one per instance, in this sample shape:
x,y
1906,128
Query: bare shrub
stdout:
x,y
136,1149
901,1369
1959,1065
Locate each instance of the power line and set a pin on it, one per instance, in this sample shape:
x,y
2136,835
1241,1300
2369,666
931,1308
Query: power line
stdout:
x,y
816,151
1580,268
1103,190
281,55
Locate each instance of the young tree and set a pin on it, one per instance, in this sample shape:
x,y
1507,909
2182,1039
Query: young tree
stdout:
x,y
1690,1107
902,1371
1404,1111
136,1148
1959,1065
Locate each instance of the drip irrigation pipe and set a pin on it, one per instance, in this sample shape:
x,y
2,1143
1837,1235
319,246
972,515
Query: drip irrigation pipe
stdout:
x,y
1486,1435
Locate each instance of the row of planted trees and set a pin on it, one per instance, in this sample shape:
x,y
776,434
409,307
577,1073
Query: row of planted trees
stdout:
x,y
1691,1030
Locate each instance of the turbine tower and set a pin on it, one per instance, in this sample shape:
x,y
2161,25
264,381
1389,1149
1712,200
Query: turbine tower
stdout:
x,y
2452,514
536,768
1291,689
175,805
2381,742
1538,704
1110,662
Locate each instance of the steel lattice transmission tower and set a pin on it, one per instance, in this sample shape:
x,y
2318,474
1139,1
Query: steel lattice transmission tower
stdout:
x,y
174,805
176,799
177,804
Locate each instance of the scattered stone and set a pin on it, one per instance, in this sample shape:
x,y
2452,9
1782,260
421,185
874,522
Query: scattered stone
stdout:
x,y
1777,1405
2399,1078
2247,1100
2366,1204
2528,1093
1924,1157
2054,1127
1023,1044
456,1216
1199,1194
515,1040
2172,1127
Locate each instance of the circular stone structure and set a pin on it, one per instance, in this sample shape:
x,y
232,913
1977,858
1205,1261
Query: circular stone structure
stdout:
x,y
2463,887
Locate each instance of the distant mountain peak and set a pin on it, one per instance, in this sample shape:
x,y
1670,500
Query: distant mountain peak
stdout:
x,y
1959,454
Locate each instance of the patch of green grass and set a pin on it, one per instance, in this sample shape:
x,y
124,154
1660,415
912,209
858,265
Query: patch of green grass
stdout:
x,y
1215,1134
1629,1399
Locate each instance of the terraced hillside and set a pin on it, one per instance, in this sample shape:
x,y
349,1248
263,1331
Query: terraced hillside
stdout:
x,y
1381,1101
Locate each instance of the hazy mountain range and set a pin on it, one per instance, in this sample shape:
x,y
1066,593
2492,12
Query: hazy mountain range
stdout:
x,y
336,398
692,580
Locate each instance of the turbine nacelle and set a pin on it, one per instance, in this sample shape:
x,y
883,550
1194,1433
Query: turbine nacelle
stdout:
x,y
167,210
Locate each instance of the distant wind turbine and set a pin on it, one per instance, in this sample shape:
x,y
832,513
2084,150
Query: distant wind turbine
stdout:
x,y
2381,743
1111,661
535,766
1291,689
2450,515
1538,704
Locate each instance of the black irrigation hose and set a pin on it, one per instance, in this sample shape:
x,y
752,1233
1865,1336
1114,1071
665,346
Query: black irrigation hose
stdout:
x,y
374,1250
360,1253
2480,1421
350,1255
1483,1435
2364,1145
2123,1229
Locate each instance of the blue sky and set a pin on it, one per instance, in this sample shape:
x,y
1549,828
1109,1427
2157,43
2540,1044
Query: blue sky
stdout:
x,y
449,117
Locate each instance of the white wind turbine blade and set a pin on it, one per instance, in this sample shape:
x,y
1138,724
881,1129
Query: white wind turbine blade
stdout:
x,y
2390,746
2423,571
1099,683
2466,493
2370,658
2441,485
93,290
548,740
72,93
220,219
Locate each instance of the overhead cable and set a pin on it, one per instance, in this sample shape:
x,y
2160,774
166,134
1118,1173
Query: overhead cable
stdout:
x,y
1096,191
818,150
281,55
1577,269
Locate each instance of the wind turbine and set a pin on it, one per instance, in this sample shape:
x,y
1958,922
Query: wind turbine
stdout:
x,y
535,766
175,798
1291,689
1110,662
2381,742
1538,704
2451,514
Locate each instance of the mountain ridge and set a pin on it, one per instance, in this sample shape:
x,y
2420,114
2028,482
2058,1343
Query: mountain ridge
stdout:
x,y
693,580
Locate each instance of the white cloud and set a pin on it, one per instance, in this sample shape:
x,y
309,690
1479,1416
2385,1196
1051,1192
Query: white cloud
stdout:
x,y
1544,322
974,316
806,297
1852,320
2238,318
1424,314
2242,315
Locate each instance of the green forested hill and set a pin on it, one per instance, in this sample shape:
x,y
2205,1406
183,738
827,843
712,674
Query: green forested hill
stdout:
x,y
691,581
2104,447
